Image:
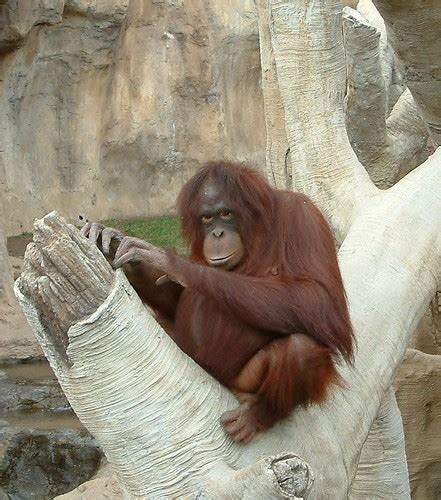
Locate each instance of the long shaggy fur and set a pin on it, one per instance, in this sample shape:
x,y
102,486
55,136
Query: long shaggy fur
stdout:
x,y
285,300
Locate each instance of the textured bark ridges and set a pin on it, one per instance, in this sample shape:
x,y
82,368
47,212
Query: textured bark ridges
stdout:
x,y
65,277
281,476
294,476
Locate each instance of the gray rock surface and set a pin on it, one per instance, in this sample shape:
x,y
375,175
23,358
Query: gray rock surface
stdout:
x,y
43,464
30,395
44,449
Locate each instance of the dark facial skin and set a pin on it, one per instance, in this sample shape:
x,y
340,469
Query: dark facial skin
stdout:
x,y
223,247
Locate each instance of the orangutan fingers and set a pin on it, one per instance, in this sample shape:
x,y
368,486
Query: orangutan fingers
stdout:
x,y
230,416
95,232
130,257
244,435
165,278
107,236
85,229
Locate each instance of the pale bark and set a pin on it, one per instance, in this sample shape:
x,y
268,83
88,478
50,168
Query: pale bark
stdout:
x,y
278,159
366,98
407,141
311,72
286,476
380,478
392,75
389,148
414,31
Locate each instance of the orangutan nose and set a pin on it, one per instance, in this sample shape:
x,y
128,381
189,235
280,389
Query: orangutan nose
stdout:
x,y
217,233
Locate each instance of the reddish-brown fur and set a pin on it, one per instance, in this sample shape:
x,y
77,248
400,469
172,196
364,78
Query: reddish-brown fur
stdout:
x,y
271,328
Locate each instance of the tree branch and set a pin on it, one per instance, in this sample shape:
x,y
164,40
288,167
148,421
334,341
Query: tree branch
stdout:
x,y
366,94
278,158
57,281
308,48
407,140
286,474
418,52
393,78
388,149
385,440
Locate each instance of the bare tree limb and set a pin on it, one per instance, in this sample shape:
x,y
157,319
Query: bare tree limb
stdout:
x,y
55,277
391,148
287,474
385,440
308,47
393,77
418,52
407,140
278,159
366,94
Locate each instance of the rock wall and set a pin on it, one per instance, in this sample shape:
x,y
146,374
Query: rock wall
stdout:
x,y
17,342
108,106
418,390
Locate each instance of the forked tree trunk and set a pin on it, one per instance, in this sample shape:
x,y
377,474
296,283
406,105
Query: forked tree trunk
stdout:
x,y
306,46
155,412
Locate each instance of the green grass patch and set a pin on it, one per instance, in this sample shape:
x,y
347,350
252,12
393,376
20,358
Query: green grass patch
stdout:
x,y
162,231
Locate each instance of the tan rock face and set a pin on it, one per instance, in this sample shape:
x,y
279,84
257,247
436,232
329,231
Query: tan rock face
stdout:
x,y
108,107
418,384
427,337
16,339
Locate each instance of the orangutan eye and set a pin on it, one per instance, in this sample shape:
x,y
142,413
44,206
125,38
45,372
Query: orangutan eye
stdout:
x,y
207,218
226,214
